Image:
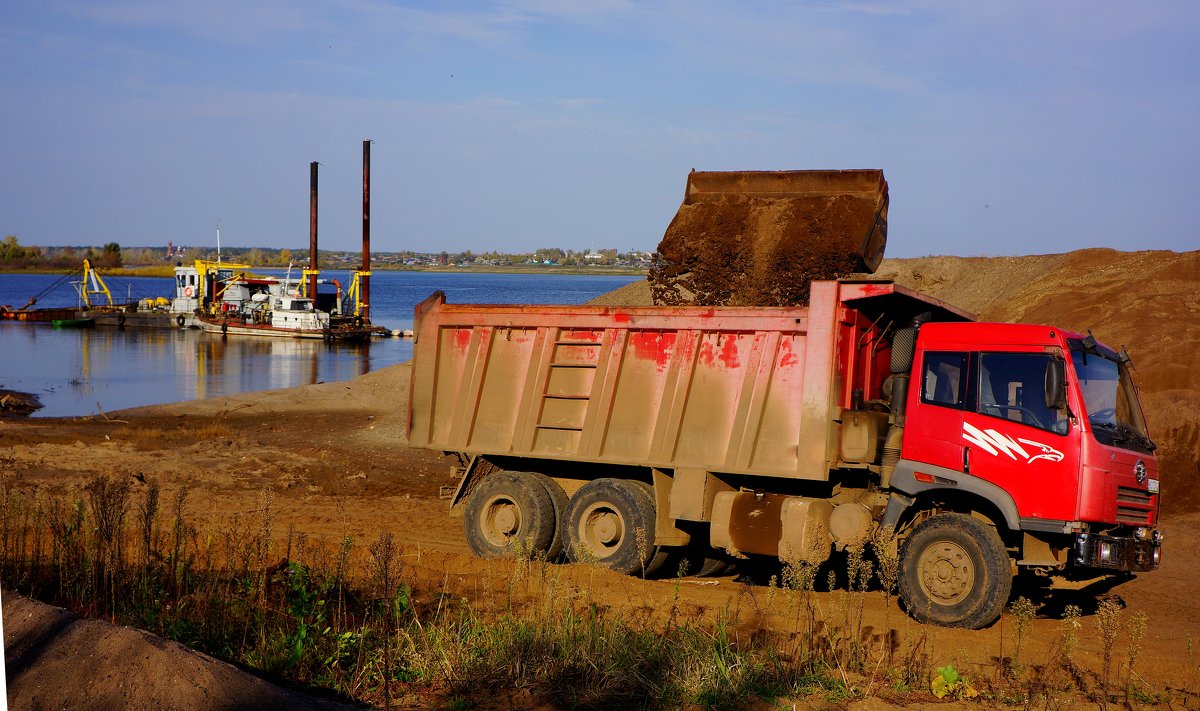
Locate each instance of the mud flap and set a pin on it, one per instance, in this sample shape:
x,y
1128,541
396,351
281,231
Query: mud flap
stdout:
x,y
465,483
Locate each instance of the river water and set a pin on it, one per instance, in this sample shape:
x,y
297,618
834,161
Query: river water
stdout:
x,y
87,371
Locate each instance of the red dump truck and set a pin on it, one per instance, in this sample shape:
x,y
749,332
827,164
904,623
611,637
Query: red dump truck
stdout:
x,y
619,435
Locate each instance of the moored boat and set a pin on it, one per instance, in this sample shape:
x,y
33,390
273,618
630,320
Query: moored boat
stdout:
x,y
86,322
282,316
36,315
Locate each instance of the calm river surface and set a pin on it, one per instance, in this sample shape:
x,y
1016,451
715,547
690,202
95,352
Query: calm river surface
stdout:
x,y
84,371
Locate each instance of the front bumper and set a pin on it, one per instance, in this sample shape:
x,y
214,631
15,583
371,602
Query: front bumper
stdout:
x,y
1128,554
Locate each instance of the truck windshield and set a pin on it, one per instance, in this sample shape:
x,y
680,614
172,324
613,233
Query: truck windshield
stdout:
x,y
1111,401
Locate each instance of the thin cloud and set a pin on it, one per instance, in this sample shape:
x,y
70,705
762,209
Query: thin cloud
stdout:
x,y
579,103
226,21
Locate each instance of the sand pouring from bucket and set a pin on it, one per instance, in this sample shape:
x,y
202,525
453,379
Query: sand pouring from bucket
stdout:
x,y
757,238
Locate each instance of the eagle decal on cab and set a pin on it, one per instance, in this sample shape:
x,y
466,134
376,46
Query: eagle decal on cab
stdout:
x,y
997,443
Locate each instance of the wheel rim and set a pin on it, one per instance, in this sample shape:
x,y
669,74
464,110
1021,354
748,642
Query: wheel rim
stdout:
x,y
947,573
601,529
500,520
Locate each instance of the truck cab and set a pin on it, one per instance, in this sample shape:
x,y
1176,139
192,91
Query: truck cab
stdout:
x,y
1040,431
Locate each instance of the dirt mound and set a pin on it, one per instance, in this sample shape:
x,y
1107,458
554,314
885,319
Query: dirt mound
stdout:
x,y
638,293
758,238
976,284
1146,302
56,659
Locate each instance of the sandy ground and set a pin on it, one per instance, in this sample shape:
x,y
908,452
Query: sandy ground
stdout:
x,y
335,456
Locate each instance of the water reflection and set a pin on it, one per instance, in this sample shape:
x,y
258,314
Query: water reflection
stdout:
x,y
86,371
79,372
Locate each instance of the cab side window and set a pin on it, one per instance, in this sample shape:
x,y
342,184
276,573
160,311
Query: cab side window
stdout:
x,y
944,380
1012,386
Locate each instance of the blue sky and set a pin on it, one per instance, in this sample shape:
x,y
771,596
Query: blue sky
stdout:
x,y
1002,127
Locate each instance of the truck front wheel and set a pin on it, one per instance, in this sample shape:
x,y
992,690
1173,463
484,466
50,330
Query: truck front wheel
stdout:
x,y
611,522
955,572
510,513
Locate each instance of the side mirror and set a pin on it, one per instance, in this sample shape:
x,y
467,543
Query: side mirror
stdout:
x,y
1056,380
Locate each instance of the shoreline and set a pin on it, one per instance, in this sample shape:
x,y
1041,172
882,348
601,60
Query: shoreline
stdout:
x,y
160,271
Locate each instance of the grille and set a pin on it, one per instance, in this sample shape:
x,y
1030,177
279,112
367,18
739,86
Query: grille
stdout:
x,y
1133,505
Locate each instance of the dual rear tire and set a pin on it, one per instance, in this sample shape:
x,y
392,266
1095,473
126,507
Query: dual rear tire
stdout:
x,y
526,514
513,514
611,522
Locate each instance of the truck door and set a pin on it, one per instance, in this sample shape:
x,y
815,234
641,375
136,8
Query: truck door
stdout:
x,y
935,418
1015,441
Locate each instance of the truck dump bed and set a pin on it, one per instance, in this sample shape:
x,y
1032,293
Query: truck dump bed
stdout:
x,y
724,389
758,238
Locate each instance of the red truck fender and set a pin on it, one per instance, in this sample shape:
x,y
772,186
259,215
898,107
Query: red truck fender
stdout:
x,y
905,480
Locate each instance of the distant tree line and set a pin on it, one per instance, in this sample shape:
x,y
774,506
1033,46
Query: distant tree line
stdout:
x,y
15,256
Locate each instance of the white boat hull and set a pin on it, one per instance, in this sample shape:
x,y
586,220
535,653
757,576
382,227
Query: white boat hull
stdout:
x,y
237,328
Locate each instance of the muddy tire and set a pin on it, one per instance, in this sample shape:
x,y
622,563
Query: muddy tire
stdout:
x,y
660,556
558,498
955,572
510,513
602,524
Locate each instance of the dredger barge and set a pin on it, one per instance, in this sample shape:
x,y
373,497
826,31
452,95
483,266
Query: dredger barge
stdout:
x,y
226,298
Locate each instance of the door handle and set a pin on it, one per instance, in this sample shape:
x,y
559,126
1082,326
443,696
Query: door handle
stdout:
x,y
966,460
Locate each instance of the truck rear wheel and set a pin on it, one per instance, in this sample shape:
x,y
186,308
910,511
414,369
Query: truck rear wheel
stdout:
x,y
558,499
510,512
955,572
611,522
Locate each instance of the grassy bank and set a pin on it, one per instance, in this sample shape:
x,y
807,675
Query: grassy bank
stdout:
x,y
157,270
350,617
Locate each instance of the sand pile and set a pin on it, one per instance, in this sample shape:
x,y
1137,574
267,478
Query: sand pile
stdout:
x,y
56,659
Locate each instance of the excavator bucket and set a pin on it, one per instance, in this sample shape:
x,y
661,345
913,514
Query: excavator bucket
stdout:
x,y
757,238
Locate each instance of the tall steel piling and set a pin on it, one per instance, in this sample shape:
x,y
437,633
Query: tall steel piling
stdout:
x,y
364,285
312,230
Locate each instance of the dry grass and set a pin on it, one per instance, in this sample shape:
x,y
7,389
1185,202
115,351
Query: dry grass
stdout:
x,y
199,431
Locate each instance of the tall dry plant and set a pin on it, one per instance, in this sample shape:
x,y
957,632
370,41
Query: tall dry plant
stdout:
x,y
887,553
147,516
1108,620
179,527
1136,630
266,517
1023,612
8,505
383,558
